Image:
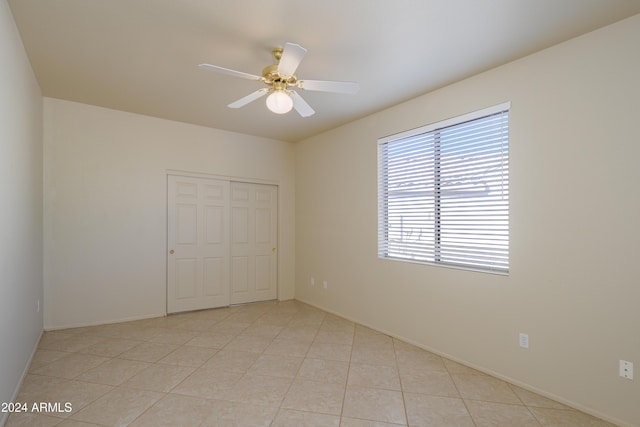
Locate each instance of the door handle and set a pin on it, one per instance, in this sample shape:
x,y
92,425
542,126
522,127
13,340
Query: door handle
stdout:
x,y
171,252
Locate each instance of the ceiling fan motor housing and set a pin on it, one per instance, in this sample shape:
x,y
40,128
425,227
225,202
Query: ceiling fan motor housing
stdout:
x,y
272,77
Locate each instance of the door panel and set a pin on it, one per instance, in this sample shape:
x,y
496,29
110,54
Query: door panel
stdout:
x,y
186,222
214,225
239,274
240,232
263,226
186,278
197,270
263,272
213,277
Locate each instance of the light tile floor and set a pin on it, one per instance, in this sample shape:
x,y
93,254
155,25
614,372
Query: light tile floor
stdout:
x,y
266,364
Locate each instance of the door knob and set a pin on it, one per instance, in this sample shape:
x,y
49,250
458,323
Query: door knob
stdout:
x,y
171,251
273,250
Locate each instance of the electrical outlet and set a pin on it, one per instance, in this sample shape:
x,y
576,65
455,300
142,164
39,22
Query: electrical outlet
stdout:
x,y
38,306
313,281
626,369
324,284
524,340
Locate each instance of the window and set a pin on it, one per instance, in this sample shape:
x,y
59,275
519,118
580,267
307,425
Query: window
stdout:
x,y
443,193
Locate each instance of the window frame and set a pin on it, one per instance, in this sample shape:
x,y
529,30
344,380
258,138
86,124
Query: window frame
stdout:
x,y
383,192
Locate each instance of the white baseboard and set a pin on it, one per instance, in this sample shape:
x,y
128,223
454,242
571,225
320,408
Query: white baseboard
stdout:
x,y
105,322
5,416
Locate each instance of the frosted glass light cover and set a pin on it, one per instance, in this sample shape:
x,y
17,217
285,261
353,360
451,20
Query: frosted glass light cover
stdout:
x,y
279,102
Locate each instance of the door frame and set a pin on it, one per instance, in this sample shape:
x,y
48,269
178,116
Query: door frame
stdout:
x,y
189,174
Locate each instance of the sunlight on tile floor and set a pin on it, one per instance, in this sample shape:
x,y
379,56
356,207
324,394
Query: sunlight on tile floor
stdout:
x,y
266,364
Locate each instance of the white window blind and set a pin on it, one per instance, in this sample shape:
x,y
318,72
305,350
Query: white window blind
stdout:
x,y
443,193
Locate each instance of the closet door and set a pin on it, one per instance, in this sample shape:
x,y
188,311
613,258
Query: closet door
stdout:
x,y
254,232
198,243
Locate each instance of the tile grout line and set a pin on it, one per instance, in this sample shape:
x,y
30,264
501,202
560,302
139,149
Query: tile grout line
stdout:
x,y
404,403
346,381
466,407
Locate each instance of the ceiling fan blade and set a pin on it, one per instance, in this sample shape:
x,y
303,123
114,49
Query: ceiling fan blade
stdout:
x,y
292,55
301,105
249,98
229,72
329,86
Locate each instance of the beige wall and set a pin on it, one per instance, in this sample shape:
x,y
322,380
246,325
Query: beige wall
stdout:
x,y
106,203
575,227
21,213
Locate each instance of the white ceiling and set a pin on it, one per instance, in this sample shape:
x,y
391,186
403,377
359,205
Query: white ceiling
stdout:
x,y
141,55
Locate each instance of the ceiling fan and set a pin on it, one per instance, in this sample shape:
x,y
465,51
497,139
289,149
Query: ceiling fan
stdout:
x,y
281,81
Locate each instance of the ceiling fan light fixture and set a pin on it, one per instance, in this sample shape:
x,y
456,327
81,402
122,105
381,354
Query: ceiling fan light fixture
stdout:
x,y
279,102
279,78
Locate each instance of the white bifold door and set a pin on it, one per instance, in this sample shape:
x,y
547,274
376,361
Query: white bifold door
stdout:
x,y
254,231
198,243
221,239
